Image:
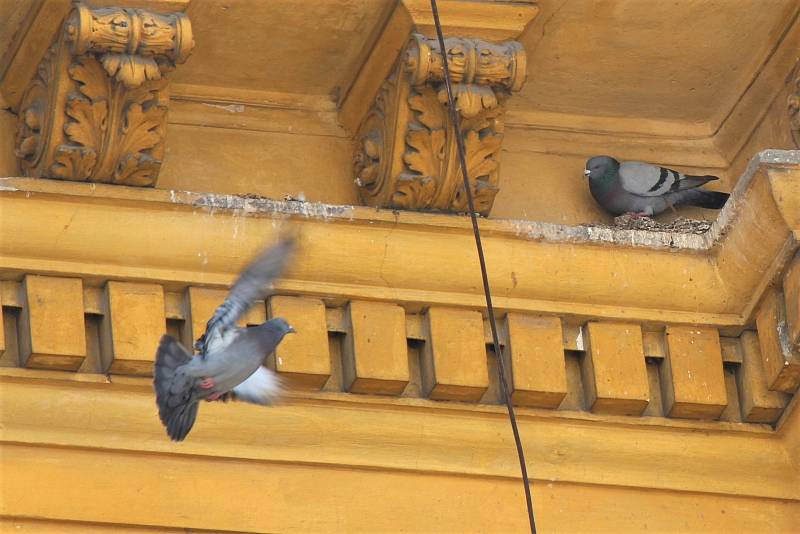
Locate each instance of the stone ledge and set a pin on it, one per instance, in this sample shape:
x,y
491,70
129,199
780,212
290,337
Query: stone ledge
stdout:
x,y
178,238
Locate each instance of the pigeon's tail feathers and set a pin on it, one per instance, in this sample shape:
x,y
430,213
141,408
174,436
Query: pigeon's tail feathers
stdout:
x,y
262,387
182,421
169,357
690,182
706,199
176,408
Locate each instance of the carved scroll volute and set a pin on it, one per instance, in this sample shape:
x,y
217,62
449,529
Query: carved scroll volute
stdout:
x,y
96,110
406,154
793,105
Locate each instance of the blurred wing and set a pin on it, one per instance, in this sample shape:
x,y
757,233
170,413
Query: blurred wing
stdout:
x,y
254,283
647,180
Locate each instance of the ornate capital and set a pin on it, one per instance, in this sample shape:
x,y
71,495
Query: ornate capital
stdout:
x,y
96,109
406,155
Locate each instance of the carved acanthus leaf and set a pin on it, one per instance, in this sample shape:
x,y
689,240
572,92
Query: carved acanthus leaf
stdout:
x,y
429,112
142,127
471,99
413,191
73,163
480,153
88,121
140,136
87,108
426,156
132,71
136,169
92,82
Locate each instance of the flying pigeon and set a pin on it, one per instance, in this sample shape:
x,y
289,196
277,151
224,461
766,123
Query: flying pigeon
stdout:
x,y
229,358
645,189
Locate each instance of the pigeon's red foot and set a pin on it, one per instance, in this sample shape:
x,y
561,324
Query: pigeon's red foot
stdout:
x,y
214,396
207,383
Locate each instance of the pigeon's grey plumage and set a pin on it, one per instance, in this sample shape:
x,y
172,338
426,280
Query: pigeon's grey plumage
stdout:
x,y
645,189
229,358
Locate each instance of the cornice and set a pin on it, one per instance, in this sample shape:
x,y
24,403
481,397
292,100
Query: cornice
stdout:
x,y
422,258
95,249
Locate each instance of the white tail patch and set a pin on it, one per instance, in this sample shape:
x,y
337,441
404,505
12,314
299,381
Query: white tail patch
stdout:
x,y
262,387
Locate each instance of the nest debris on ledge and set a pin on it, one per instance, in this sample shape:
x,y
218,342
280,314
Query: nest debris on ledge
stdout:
x,y
680,225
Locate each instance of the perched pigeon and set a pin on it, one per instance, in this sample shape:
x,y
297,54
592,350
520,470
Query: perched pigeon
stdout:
x,y
229,357
645,189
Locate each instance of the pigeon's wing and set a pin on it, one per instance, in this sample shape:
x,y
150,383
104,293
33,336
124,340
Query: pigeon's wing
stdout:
x,y
262,387
647,180
253,284
216,339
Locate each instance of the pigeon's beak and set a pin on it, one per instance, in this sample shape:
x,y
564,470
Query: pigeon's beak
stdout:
x,y
291,330
587,172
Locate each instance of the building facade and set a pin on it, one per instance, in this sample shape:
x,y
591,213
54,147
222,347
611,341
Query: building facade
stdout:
x,y
149,148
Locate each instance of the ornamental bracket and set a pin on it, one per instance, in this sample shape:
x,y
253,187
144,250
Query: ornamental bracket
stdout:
x,y
96,109
406,154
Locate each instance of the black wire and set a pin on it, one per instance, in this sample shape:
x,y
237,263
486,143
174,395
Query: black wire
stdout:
x,y
489,308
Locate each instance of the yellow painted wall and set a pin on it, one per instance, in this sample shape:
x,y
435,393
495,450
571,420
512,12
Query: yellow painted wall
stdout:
x,y
174,492
629,450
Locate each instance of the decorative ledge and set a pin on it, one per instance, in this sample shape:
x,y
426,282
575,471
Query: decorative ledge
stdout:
x,y
96,108
624,368
357,266
63,229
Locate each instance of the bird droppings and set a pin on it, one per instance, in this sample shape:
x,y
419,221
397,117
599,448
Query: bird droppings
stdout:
x,y
301,197
783,337
535,231
773,156
251,203
579,340
230,108
601,233
680,225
